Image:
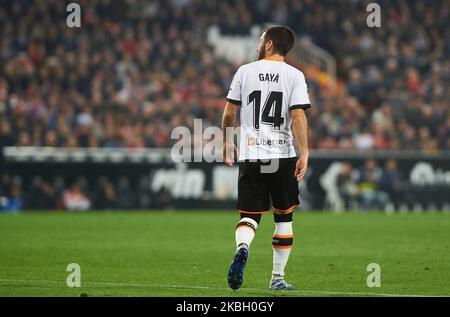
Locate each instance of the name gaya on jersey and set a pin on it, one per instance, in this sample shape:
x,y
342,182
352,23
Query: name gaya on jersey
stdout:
x,y
266,92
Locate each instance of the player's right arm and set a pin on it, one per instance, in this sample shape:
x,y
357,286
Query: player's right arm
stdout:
x,y
300,131
229,152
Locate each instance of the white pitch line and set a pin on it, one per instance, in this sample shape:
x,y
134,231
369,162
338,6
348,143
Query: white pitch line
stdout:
x,y
221,288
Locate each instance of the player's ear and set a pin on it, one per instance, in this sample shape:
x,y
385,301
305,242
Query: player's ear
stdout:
x,y
269,45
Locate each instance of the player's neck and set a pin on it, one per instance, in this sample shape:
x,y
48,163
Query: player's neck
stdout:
x,y
275,57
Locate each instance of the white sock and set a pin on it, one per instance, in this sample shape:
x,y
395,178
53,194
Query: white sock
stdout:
x,y
283,233
245,232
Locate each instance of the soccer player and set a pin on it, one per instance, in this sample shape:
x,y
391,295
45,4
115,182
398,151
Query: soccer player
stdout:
x,y
272,97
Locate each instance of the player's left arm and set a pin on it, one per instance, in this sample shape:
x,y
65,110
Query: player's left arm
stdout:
x,y
229,152
298,104
299,128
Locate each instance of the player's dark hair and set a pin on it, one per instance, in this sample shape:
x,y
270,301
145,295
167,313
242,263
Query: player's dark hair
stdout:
x,y
283,39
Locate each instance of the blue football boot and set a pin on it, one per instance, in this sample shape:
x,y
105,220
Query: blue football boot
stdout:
x,y
236,272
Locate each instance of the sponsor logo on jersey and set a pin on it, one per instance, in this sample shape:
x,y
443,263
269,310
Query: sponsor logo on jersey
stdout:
x,y
268,142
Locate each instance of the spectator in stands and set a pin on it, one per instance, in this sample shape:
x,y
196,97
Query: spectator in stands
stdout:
x,y
6,136
74,199
5,184
163,199
107,197
126,196
371,197
390,182
12,202
42,196
347,186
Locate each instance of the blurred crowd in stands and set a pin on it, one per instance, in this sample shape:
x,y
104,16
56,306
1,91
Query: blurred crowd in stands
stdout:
x,y
102,193
375,186
137,69
370,185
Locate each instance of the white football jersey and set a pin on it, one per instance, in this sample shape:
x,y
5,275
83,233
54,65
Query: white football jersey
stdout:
x,y
266,91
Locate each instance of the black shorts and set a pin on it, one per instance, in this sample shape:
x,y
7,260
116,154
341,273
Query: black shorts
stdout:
x,y
258,192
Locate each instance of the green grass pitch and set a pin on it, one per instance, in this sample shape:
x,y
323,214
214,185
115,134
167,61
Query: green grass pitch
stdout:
x,y
188,254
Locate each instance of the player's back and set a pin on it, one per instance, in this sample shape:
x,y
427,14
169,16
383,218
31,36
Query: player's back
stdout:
x,y
267,90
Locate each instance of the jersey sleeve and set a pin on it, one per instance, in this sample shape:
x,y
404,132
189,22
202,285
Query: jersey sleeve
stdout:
x,y
234,94
299,96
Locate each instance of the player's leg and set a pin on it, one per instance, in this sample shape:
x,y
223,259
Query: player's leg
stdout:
x,y
245,232
246,229
253,200
282,241
284,193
